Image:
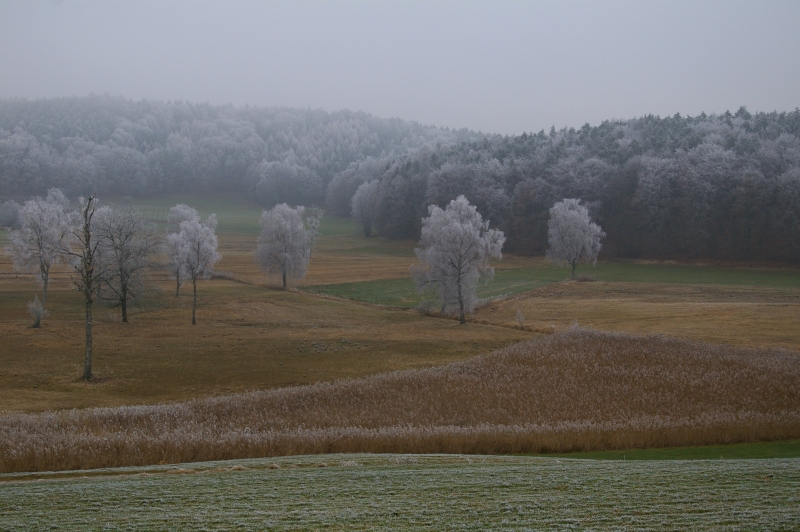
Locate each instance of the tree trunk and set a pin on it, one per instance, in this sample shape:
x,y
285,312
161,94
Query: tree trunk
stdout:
x,y
573,269
284,279
194,301
45,281
124,305
462,318
177,285
87,359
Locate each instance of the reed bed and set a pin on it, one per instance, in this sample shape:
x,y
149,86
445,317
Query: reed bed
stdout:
x,y
573,391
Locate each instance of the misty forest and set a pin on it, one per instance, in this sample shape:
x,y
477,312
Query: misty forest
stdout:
x,y
720,187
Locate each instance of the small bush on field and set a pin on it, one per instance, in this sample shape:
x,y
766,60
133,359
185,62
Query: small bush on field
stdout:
x,y
572,391
586,278
35,309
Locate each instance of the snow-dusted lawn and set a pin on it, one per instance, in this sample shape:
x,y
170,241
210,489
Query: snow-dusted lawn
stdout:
x,y
428,492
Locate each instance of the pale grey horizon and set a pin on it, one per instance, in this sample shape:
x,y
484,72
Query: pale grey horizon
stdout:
x,y
499,67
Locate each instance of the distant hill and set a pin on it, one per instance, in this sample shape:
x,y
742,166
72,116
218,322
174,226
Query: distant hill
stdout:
x,y
110,145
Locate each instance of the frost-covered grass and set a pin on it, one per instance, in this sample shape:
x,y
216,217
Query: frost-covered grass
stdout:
x,y
428,492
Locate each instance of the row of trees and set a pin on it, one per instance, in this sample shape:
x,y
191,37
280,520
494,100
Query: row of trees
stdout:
x,y
111,250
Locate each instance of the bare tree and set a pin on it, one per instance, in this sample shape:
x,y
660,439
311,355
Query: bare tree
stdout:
x,y
39,244
89,270
128,242
198,252
454,253
365,205
173,244
572,236
286,240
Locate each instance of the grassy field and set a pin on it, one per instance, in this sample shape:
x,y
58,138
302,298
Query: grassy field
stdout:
x,y
401,492
525,274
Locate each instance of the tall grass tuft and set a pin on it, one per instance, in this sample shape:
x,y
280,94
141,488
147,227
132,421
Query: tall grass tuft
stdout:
x,y
573,391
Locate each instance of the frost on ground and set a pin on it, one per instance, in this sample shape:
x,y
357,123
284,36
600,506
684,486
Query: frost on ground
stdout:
x,y
463,492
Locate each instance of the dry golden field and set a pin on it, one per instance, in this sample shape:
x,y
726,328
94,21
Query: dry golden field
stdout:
x,y
250,335
573,391
738,315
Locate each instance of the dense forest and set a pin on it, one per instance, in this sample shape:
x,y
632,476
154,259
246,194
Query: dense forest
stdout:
x,y
113,146
723,187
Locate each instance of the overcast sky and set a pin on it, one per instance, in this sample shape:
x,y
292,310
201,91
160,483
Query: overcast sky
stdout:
x,y
495,66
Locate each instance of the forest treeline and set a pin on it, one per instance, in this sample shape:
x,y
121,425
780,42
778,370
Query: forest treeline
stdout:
x,y
723,187
113,146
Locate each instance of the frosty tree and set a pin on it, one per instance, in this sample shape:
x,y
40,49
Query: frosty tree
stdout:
x,y
196,246
39,243
454,253
572,236
365,206
173,245
286,240
128,242
178,214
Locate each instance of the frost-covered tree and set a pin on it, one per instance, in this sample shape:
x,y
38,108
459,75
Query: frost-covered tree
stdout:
x,y
572,236
286,240
178,214
454,253
57,197
197,252
365,206
173,244
128,242
39,243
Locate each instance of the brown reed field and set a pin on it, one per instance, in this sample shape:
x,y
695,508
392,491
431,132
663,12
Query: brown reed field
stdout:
x,y
577,390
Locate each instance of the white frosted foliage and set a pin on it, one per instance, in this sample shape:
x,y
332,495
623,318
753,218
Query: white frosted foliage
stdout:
x,y
454,252
178,214
194,253
365,206
286,240
40,242
572,236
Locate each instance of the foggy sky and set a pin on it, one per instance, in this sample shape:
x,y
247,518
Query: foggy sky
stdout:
x,y
500,67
